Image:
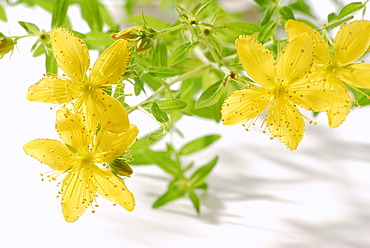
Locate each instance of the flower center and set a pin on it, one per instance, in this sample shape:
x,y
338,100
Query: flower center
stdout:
x,y
331,68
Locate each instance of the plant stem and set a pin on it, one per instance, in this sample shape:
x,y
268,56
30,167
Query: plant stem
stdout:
x,y
182,77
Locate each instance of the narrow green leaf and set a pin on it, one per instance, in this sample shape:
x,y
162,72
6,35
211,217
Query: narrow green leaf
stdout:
x,y
182,52
30,27
241,28
163,160
301,6
151,81
38,49
160,56
156,136
200,175
159,114
91,14
98,40
267,31
163,72
3,16
286,13
201,8
195,200
59,13
51,64
332,17
211,95
349,9
269,13
167,106
172,194
106,16
198,144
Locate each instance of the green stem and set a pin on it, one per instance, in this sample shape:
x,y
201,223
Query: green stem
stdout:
x,y
159,91
166,30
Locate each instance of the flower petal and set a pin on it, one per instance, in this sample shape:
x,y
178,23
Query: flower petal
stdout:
x,y
337,116
294,28
315,97
52,89
70,53
51,152
111,64
357,75
295,60
351,42
257,60
106,110
109,146
243,105
113,188
78,192
285,122
72,130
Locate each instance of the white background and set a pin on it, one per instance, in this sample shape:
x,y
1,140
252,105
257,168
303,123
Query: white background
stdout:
x,y
260,195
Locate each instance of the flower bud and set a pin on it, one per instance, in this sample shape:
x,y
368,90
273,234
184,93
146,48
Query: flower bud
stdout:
x,y
130,34
6,44
120,168
143,44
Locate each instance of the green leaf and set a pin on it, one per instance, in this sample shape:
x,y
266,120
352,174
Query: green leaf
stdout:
x,y
59,13
269,13
167,106
98,40
160,56
198,144
286,13
30,27
267,31
159,114
182,52
156,135
151,81
211,95
163,72
241,28
163,160
106,17
38,49
301,6
172,194
350,8
195,200
3,14
51,64
200,175
91,14
332,17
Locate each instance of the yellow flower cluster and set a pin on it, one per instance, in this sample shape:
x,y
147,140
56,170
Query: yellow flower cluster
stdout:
x,y
93,126
306,74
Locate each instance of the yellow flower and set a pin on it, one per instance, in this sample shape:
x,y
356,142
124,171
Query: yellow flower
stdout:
x,y
341,69
282,85
82,149
86,93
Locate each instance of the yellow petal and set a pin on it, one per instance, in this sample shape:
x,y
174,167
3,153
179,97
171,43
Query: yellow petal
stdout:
x,y
315,97
72,130
285,122
111,64
357,75
113,188
78,192
243,105
109,146
294,29
50,152
70,53
351,42
337,116
295,60
52,89
256,59
106,110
